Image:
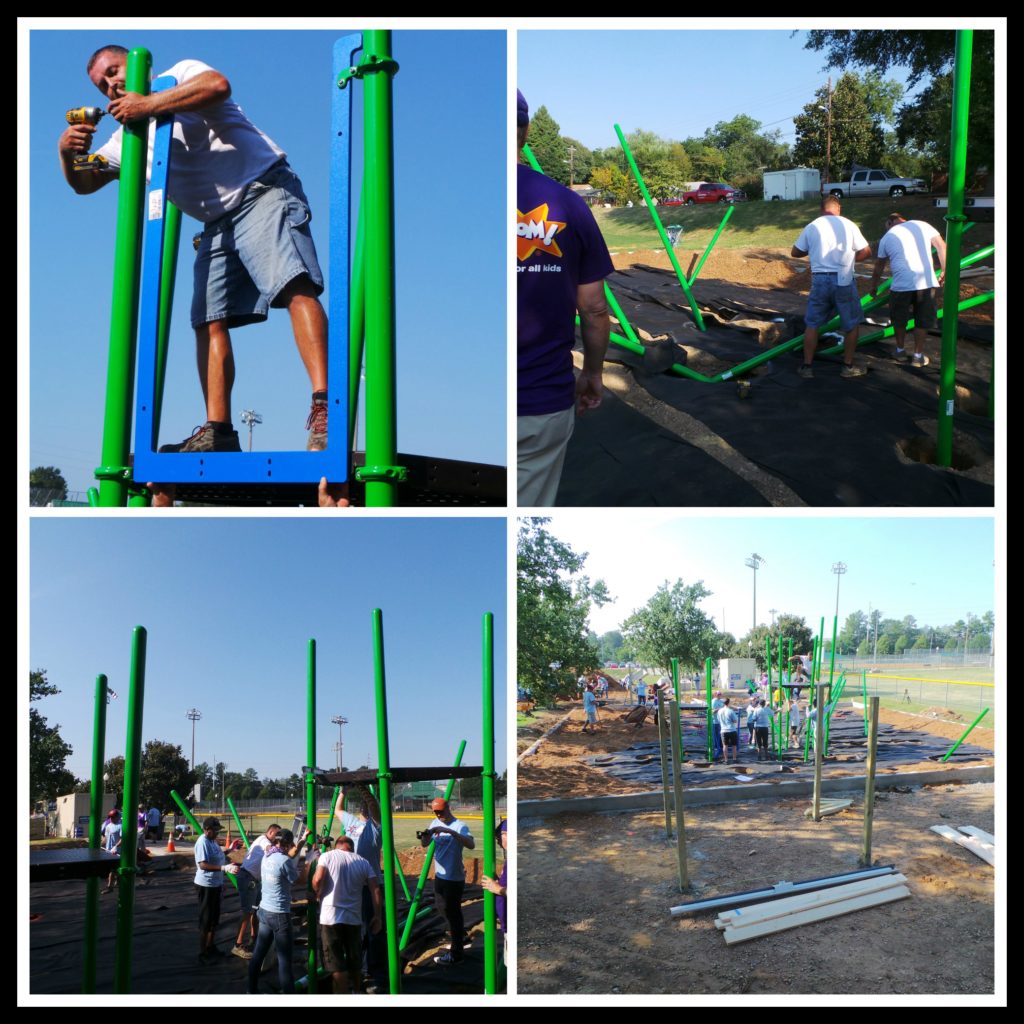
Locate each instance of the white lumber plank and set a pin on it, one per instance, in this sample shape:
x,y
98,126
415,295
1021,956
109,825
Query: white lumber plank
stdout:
x,y
742,917
829,807
875,899
986,837
979,849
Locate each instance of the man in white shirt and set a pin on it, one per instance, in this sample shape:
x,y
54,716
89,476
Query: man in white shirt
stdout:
x,y
450,837
907,247
248,879
256,249
834,245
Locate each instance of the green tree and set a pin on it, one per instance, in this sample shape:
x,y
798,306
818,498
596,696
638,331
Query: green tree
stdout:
x,y
864,648
614,184
787,626
854,630
47,752
921,643
114,770
657,162
901,643
548,146
581,161
707,163
46,484
553,602
671,625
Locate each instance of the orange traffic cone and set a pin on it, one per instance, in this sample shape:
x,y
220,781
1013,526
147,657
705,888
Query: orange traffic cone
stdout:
x,y
170,844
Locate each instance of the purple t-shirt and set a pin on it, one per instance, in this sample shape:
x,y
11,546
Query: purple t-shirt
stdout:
x,y
558,248
500,901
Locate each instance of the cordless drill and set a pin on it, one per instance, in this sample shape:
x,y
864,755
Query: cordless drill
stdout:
x,y
87,115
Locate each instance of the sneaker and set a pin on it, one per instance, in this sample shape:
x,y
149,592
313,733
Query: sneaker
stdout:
x,y
316,424
206,439
446,960
466,943
919,361
806,370
241,952
901,355
852,371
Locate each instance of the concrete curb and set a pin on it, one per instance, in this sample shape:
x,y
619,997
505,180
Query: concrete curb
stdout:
x,y
755,791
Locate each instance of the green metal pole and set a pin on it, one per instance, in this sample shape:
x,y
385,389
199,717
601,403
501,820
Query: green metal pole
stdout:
x,y
427,861
384,783
832,655
677,785
114,474
189,816
311,908
869,785
714,238
954,230
381,473
96,787
675,681
357,317
819,735
949,753
821,650
330,814
661,231
707,679
665,749
129,842
238,822
768,657
168,271
487,791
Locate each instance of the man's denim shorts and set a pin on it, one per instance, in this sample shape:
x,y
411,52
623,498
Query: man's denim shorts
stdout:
x,y
247,257
828,298
248,891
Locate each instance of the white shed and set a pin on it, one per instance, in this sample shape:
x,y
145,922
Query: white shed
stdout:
x,y
798,183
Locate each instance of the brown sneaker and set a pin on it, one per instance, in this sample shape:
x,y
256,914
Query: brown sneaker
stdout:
x,y
806,371
852,371
206,439
316,424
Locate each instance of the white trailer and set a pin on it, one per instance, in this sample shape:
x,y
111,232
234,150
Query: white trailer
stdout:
x,y
73,814
798,183
734,672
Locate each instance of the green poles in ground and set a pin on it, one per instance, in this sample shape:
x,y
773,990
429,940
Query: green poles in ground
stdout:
x,y
675,680
381,473
869,785
675,733
238,822
832,655
864,694
129,844
487,791
954,230
819,737
707,680
384,784
311,907
665,749
92,885
114,473
714,238
952,749
695,309
427,861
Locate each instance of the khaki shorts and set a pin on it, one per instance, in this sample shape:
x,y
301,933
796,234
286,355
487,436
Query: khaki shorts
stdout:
x,y
542,444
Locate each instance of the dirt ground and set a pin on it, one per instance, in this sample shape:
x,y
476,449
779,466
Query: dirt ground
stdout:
x,y
556,769
595,893
595,890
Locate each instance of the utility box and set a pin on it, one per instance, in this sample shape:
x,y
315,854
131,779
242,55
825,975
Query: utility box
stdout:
x,y
733,673
73,814
798,183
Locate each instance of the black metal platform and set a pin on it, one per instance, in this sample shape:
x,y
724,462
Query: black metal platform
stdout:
x,y
364,775
430,482
59,865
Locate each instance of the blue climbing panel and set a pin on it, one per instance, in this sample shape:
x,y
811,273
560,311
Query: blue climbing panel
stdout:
x,y
264,466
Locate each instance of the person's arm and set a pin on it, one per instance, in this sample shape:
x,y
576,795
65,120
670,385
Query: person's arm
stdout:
x,y
939,245
862,254
204,90
493,885
796,253
318,879
595,327
377,923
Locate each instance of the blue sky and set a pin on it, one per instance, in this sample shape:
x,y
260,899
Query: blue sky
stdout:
x,y
229,605
935,569
674,83
449,225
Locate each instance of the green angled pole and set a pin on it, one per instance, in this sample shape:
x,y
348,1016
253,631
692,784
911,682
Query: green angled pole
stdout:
x,y
695,309
869,785
130,849
714,238
357,317
330,813
952,749
707,680
311,907
189,816
114,474
955,220
487,794
427,861
380,473
665,750
92,885
384,784
168,270
238,822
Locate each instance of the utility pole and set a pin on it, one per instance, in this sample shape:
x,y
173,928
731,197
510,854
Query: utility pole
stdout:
x,y
339,721
250,418
828,136
754,562
572,151
193,715
771,612
838,568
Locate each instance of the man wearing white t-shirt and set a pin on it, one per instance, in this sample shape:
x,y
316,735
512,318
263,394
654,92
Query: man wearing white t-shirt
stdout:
x,y
834,245
340,879
450,837
256,250
907,247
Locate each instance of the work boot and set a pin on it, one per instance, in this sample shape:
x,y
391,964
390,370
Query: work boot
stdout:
x,y
852,371
316,424
207,438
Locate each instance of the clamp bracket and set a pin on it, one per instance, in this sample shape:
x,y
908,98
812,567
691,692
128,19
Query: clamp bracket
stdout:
x,y
382,474
370,64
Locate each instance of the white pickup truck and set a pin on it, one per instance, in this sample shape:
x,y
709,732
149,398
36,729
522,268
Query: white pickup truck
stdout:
x,y
868,182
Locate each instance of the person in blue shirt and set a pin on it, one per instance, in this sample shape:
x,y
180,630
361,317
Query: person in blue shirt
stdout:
x,y
209,884
590,708
450,837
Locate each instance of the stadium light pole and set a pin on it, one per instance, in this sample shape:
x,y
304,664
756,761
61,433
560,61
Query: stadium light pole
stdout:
x,y
339,721
772,612
250,418
193,715
838,568
755,561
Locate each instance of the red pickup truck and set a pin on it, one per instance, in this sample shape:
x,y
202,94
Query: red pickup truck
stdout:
x,y
709,192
